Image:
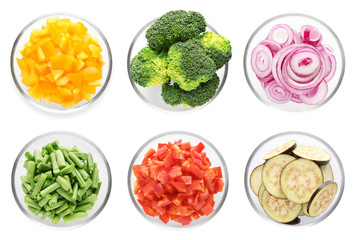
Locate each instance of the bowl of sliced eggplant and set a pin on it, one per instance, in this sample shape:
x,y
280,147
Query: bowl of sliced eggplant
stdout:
x,y
294,178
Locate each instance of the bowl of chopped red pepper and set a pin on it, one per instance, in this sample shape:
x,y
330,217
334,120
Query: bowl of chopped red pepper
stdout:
x,y
178,179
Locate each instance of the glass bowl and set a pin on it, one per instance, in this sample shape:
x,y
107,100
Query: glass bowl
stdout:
x,y
24,36
212,153
302,139
295,21
66,139
152,95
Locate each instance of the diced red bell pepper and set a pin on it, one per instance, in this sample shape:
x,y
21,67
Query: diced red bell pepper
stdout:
x,y
158,190
207,209
165,217
200,147
218,172
136,171
180,186
195,186
164,202
137,186
150,153
209,176
154,170
162,152
184,220
186,146
186,179
197,171
149,188
144,171
219,185
175,172
149,211
163,177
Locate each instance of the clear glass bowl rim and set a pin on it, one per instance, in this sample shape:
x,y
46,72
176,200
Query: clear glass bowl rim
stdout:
x,y
223,80
270,104
206,142
17,81
247,174
20,156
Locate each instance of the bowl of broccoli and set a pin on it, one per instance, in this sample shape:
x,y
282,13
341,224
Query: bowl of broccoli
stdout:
x,y
178,62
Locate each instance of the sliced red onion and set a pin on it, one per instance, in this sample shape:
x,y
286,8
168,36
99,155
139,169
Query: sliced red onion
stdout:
x,y
311,35
261,61
295,98
297,38
271,44
276,93
281,34
293,66
316,98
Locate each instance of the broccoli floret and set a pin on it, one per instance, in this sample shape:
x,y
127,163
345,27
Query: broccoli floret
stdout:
x,y
172,94
175,26
149,68
217,47
189,65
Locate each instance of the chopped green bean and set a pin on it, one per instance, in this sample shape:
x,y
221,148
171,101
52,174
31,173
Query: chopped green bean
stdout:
x,y
24,189
64,149
86,186
75,192
76,160
83,208
45,200
60,159
68,169
74,217
37,156
64,194
39,184
29,156
31,167
98,188
54,164
61,208
55,144
48,148
35,211
75,149
43,167
90,162
95,176
91,199
83,173
53,187
87,193
67,158
53,199
29,201
56,220
64,183
57,205
79,178
45,215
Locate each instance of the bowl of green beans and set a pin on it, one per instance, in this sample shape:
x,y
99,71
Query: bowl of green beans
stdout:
x,y
61,180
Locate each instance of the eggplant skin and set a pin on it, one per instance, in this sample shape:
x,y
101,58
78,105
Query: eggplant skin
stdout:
x,y
286,148
311,205
294,222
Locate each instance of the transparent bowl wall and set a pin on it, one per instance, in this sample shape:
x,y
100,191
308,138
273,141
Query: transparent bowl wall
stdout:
x,y
152,95
66,139
24,37
295,21
302,139
212,153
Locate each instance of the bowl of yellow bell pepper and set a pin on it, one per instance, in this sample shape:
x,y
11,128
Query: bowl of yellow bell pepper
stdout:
x,y
61,62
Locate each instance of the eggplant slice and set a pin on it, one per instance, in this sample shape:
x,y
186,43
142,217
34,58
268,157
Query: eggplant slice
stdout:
x,y
313,154
304,209
260,193
255,179
271,174
299,180
285,148
322,198
280,210
327,172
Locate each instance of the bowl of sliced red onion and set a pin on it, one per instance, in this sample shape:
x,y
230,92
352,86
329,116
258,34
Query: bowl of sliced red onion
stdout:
x,y
294,62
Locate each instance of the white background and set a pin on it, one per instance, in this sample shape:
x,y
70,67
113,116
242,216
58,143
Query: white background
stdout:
x,y
235,122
